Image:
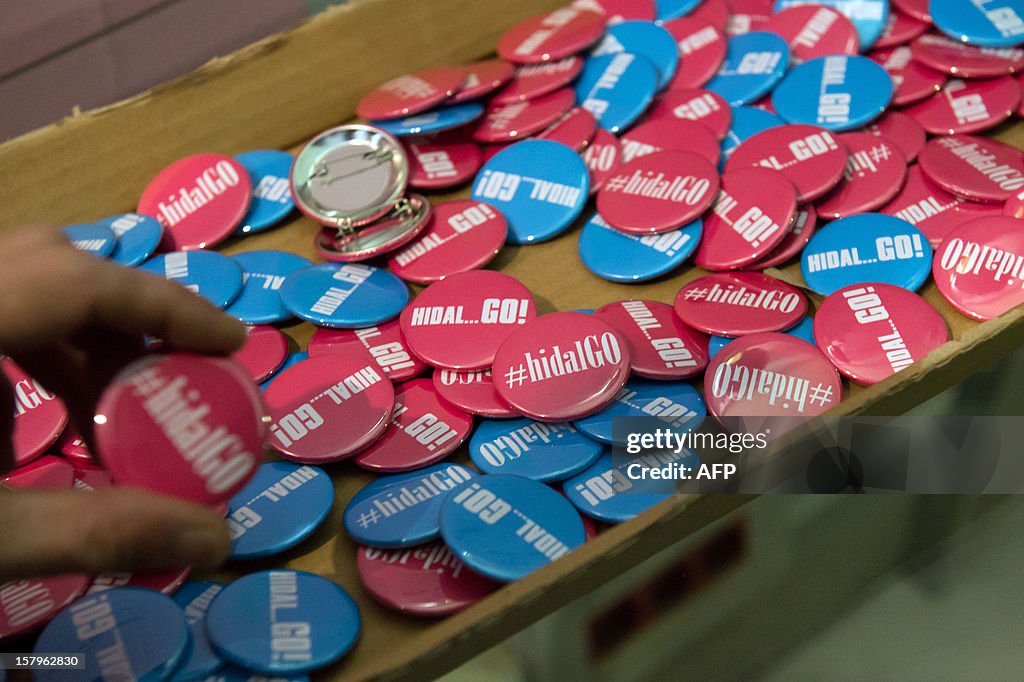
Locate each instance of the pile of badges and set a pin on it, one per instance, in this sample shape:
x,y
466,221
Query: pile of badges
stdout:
x,y
742,134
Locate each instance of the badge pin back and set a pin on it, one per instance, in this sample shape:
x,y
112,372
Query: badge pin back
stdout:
x,y
344,295
411,93
384,342
290,500
537,450
853,92
209,274
39,415
263,273
661,346
739,303
269,170
138,237
214,397
404,222
95,239
617,89
754,64
199,200
472,391
240,621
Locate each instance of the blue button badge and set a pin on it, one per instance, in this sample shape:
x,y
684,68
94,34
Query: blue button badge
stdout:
x,y
522,447
344,295
989,23
645,39
616,89
283,621
138,237
269,171
847,92
194,599
753,64
869,247
804,330
621,257
868,16
435,121
278,508
139,633
94,238
506,527
402,510
746,122
608,493
539,186
678,404
212,275
263,273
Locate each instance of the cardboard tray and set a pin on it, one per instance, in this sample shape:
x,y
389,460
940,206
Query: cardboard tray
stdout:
x,y
279,92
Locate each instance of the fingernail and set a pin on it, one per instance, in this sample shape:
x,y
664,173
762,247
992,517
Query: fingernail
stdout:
x,y
200,546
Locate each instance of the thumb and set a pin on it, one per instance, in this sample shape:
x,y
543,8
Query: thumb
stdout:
x,y
119,529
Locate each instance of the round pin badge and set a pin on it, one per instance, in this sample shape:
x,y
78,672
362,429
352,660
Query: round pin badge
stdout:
x,y
868,16
547,37
48,472
607,493
482,519
754,64
484,78
911,81
874,175
901,130
871,331
144,630
956,58
978,268
645,39
463,235
249,618
486,305
575,129
533,80
739,303
616,89
693,104
852,92
345,295
751,216
263,273
439,165
39,416
541,451
900,29
974,168
561,366
385,344
411,93
539,186
868,247
967,106
602,157
209,274
769,383
424,429
622,257
670,134
29,603
745,123
199,418
264,351
676,404
472,391
815,31
194,599
138,237
403,510
660,345
199,200
329,407
269,170
93,238
702,48
434,121
812,158
800,232
991,24
420,581
658,192
278,508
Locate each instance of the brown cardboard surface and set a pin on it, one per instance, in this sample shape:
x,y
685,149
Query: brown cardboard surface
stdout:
x,y
279,92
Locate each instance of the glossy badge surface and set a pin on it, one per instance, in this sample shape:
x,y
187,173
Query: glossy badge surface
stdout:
x,y
200,419
739,303
345,295
522,447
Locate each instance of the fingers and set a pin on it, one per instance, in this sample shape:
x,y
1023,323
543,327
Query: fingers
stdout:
x,y
121,529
